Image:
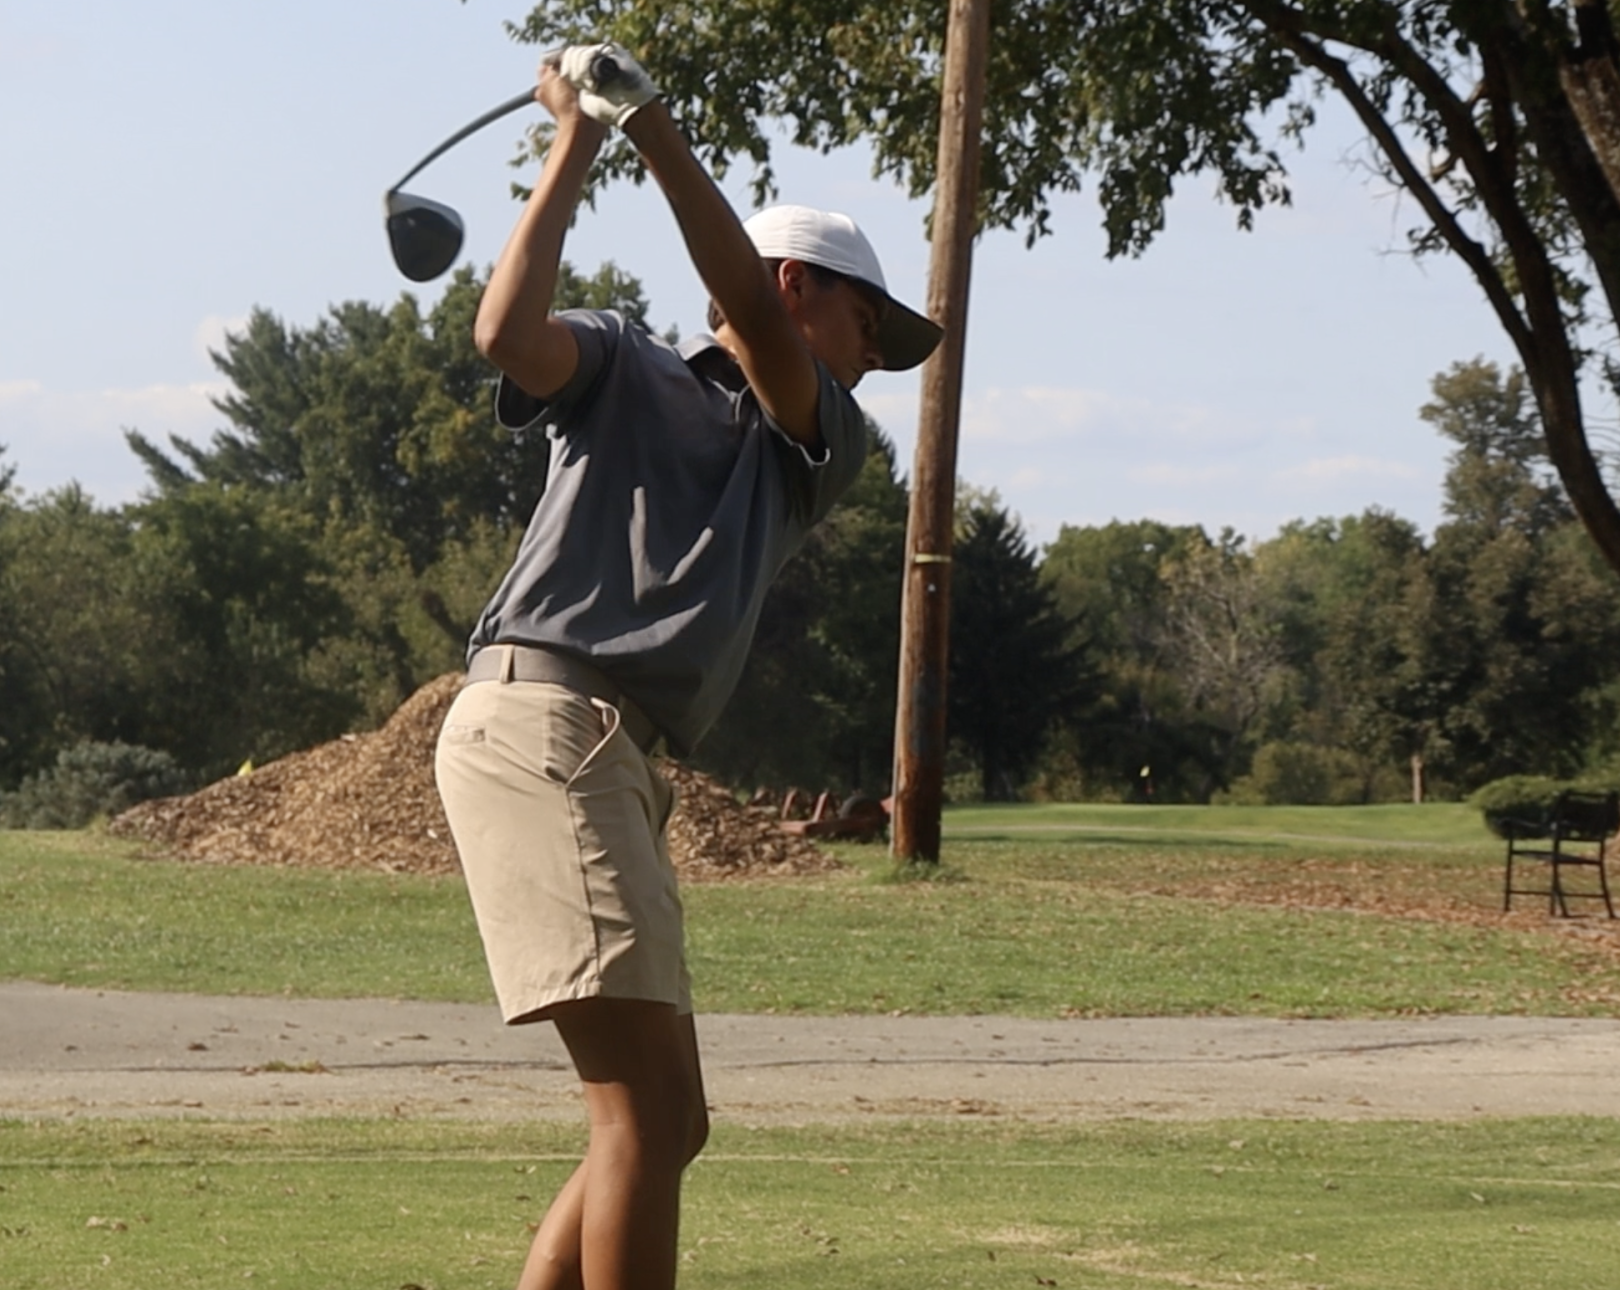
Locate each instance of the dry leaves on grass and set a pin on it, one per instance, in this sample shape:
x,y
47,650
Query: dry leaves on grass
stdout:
x,y
368,801
1393,887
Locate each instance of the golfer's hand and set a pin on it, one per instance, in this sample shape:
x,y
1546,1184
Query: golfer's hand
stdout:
x,y
561,99
612,86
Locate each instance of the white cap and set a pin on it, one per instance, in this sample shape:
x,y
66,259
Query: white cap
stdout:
x,y
834,242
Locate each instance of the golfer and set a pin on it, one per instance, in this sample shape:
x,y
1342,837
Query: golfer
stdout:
x,y
681,479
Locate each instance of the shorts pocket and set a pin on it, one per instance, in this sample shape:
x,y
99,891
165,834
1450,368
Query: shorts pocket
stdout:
x,y
607,717
577,729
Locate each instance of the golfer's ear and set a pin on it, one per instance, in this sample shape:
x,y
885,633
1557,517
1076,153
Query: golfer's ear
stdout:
x,y
790,275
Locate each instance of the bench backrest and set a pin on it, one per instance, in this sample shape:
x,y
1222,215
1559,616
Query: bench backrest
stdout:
x,y
1586,817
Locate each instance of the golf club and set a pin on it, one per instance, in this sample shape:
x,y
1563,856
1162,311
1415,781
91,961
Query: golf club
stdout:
x,y
424,235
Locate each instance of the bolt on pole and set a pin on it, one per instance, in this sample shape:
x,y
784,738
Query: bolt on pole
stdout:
x,y
919,744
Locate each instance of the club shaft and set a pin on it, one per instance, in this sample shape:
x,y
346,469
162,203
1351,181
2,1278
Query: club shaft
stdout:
x,y
494,114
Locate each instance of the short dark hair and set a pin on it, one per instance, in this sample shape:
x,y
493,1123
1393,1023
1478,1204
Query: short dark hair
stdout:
x,y
824,277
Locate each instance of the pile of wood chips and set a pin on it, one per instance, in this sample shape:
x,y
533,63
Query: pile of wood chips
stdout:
x,y
368,801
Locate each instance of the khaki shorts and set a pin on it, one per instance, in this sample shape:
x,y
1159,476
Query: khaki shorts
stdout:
x,y
559,820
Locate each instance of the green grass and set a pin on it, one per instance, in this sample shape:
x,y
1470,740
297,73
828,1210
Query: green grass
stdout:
x,y
1045,949
1499,1205
1035,927
83,909
1434,823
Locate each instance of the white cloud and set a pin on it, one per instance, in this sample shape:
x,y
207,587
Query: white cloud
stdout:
x,y
1077,454
1174,476
895,412
1032,415
53,436
1338,469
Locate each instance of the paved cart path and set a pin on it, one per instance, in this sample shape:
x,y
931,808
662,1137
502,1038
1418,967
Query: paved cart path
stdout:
x,y
84,1053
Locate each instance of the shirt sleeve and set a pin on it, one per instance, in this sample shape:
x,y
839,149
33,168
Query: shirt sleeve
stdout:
x,y
824,471
596,331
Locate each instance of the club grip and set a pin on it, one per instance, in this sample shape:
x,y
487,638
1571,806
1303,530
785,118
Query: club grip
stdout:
x,y
604,70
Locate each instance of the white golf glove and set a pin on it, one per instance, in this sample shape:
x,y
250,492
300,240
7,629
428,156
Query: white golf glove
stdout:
x,y
612,86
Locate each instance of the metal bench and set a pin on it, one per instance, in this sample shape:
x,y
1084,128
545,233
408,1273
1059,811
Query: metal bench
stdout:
x,y
1575,835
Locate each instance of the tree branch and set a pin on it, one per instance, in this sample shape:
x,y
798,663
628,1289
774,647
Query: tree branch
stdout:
x,y
1289,26
1540,332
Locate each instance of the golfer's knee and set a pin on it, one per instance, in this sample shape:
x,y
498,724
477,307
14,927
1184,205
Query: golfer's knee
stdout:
x,y
656,1139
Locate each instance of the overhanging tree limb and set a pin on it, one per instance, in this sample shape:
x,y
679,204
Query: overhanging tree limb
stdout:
x,y
1470,251
1540,331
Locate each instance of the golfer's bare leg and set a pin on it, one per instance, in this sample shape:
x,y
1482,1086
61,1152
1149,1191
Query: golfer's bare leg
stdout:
x,y
613,1225
553,1262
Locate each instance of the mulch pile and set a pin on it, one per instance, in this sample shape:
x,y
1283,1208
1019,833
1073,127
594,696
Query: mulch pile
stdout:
x,y
368,801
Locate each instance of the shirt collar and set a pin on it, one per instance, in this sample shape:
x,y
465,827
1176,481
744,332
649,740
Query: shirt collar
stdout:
x,y
709,358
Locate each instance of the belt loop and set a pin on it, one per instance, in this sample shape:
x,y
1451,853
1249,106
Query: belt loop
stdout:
x,y
508,658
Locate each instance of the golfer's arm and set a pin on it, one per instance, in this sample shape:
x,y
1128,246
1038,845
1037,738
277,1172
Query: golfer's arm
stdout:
x,y
514,328
773,354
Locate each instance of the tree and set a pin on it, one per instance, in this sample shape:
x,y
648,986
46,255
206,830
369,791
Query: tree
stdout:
x,y
1372,661
1015,669
375,426
237,588
379,418
1520,634
1223,632
1497,478
194,624
815,704
1140,738
1498,118
71,632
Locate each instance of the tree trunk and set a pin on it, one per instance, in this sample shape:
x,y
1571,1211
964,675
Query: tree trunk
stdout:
x,y
1570,98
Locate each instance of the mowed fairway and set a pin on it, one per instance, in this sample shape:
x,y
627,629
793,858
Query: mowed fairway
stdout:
x,y
1521,1205
1040,912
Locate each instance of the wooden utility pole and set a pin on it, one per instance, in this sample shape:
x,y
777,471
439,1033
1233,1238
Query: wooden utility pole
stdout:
x,y
919,742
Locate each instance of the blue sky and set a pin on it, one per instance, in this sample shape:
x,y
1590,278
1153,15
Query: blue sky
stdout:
x,y
168,166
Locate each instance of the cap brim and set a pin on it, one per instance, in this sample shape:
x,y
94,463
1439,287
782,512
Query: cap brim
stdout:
x,y
906,337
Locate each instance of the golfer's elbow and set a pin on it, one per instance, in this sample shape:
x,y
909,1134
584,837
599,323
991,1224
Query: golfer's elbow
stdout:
x,y
494,330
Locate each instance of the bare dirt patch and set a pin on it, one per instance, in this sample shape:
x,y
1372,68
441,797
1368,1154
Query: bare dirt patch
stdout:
x,y
368,801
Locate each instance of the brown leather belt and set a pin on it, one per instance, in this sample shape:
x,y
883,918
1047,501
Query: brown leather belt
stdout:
x,y
506,663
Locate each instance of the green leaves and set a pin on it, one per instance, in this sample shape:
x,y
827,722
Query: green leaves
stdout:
x,y
1016,670
1138,93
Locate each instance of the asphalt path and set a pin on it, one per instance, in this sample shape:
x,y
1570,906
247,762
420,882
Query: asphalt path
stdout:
x,y
67,1053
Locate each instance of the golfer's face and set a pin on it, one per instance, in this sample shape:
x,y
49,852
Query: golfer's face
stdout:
x,y
840,323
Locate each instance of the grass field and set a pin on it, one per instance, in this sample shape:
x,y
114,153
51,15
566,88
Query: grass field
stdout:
x,y
1436,823
1506,1205
1039,911
1188,915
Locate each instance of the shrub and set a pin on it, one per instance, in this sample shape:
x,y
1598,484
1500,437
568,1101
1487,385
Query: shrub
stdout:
x,y
1297,774
1528,801
91,780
